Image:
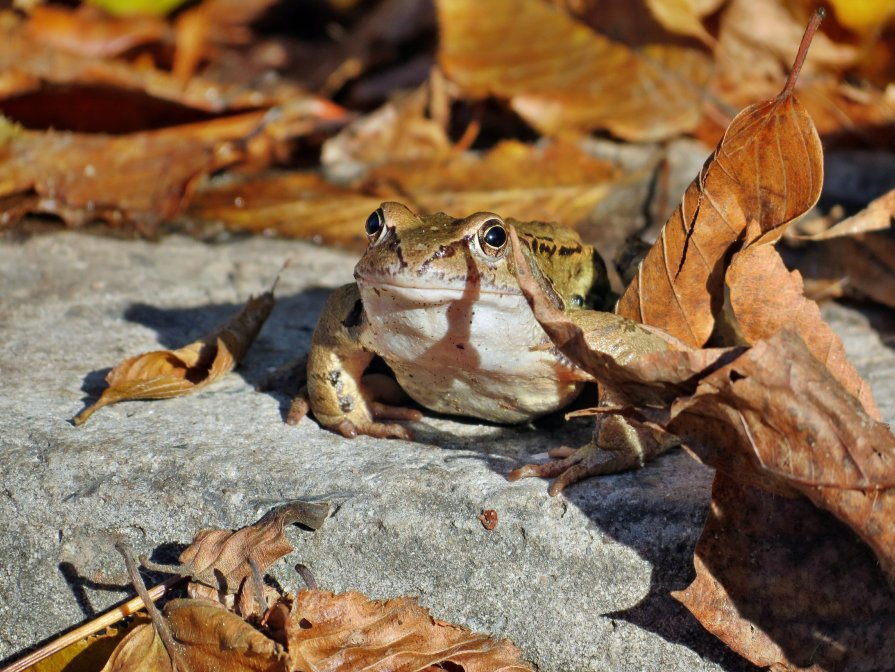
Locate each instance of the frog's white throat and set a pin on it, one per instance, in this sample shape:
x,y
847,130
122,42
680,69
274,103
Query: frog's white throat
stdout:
x,y
465,350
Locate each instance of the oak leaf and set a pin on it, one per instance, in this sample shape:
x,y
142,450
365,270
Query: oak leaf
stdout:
x,y
163,374
329,633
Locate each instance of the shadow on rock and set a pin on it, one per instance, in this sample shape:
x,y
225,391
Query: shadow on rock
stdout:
x,y
285,336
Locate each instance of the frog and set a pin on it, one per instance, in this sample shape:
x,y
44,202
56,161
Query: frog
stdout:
x,y
438,300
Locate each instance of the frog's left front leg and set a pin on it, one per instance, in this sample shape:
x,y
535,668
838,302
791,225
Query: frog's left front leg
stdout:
x,y
617,444
336,363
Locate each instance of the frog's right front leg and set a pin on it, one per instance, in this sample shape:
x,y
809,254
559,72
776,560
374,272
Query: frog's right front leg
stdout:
x,y
336,364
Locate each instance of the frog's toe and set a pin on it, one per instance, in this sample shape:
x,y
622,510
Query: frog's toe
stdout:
x,y
582,463
378,430
299,408
382,411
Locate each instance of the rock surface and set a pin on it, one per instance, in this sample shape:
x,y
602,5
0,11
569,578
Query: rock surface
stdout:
x,y
580,582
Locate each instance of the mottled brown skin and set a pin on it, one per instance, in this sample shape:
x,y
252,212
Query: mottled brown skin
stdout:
x,y
437,298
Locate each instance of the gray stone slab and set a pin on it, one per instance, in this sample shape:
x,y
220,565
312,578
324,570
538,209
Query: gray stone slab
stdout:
x,y
580,581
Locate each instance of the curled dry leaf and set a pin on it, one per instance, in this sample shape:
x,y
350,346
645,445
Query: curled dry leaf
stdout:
x,y
768,168
877,216
556,182
220,558
163,374
328,633
818,602
684,17
562,77
30,66
862,265
400,130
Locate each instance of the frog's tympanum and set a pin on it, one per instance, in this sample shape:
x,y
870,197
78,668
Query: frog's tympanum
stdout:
x,y
437,299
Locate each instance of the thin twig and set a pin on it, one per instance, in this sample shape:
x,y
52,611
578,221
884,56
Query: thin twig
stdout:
x,y
158,621
101,622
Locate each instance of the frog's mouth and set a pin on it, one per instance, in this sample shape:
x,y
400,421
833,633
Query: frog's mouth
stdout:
x,y
456,291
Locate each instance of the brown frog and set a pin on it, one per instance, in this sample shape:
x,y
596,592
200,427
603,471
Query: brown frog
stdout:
x,y
438,300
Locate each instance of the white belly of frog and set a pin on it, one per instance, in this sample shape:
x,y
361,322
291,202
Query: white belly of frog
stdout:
x,y
483,356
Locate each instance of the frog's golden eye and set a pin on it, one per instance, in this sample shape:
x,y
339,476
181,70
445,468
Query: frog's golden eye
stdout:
x,y
375,224
493,237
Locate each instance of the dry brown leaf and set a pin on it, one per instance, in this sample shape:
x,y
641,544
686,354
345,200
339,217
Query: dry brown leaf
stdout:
x,y
558,182
562,77
163,374
818,602
765,298
220,558
330,633
212,638
684,16
400,130
799,431
29,66
862,265
768,168
89,32
877,216
140,651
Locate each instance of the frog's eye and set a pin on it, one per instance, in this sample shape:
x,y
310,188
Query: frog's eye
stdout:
x,y
375,224
493,237
577,301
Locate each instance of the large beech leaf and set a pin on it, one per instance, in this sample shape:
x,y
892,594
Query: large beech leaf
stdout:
x,y
777,418
163,374
765,298
562,77
331,633
818,602
768,168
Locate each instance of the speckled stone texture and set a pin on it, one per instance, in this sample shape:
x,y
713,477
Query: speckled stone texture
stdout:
x,y
579,582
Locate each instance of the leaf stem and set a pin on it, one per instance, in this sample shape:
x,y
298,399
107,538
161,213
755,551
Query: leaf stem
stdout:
x,y
813,25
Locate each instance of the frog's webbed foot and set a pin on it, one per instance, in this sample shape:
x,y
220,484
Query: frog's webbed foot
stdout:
x,y
617,446
589,460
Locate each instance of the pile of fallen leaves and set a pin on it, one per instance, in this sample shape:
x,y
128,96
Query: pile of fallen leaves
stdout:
x,y
201,113
233,620
137,113
790,427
